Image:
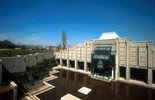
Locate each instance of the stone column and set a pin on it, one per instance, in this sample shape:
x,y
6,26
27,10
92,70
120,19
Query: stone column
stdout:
x,y
91,46
116,61
150,64
14,85
75,57
112,73
85,66
127,60
68,58
85,57
60,57
149,76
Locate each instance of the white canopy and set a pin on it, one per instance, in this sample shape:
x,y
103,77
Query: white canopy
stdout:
x,y
109,35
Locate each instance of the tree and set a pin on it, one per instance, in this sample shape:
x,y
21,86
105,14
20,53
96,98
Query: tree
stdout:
x,y
6,44
64,39
59,47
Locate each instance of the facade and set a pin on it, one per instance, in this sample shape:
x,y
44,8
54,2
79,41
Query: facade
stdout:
x,y
19,63
30,60
14,64
112,58
9,65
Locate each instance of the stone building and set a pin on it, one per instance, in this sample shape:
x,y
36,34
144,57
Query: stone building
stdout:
x,y
112,58
14,64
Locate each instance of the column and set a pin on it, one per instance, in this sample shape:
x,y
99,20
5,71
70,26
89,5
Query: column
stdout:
x,y
116,61
75,58
13,84
85,66
91,46
127,60
112,73
85,57
150,64
149,76
68,58
60,57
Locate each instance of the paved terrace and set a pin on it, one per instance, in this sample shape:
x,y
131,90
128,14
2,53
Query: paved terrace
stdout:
x,y
68,83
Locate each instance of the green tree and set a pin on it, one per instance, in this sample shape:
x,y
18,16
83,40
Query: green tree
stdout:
x,y
64,39
7,44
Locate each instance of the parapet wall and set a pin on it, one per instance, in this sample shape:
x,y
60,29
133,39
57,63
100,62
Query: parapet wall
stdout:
x,y
19,64
14,64
30,60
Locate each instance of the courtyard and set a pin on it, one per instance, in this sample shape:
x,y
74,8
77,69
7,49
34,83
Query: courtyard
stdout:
x,y
69,82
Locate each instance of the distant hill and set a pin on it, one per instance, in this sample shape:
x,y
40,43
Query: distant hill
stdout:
x,y
6,44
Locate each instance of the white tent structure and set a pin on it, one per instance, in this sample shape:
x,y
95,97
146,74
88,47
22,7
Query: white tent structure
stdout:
x,y
109,35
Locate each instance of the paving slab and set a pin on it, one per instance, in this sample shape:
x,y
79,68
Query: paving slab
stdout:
x,y
70,97
84,90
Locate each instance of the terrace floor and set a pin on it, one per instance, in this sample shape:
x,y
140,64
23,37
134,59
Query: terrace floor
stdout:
x,y
69,82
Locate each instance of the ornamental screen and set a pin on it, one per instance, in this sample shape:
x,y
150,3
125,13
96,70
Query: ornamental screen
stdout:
x,y
103,60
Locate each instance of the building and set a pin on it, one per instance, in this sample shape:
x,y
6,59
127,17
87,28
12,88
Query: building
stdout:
x,y
34,47
11,85
52,48
112,58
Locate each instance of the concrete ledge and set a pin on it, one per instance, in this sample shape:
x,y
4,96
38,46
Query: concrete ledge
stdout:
x,y
53,72
32,95
56,67
101,79
51,77
139,83
78,70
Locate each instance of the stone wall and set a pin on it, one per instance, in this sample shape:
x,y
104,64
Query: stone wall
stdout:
x,y
47,55
14,64
19,64
31,60
39,57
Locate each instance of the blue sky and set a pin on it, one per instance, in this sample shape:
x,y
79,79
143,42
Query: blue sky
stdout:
x,y
42,21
